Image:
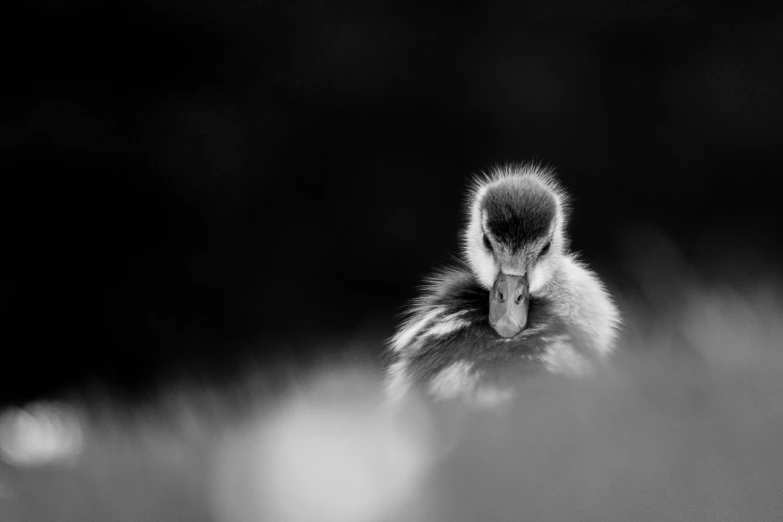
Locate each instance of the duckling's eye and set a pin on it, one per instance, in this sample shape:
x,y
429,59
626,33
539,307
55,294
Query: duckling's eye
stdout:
x,y
487,244
545,249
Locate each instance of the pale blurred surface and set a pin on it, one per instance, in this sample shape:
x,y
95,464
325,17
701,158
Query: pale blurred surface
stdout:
x,y
687,424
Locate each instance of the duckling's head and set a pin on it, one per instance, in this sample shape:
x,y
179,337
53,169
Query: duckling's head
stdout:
x,y
514,240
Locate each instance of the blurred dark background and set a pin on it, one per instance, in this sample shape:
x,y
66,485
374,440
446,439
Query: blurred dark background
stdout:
x,y
191,187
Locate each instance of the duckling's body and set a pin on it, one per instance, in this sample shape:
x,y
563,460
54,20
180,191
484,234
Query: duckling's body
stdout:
x,y
519,304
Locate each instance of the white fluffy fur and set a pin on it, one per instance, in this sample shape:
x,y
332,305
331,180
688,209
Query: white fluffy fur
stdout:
x,y
541,273
429,325
397,383
412,328
560,357
585,302
453,381
446,325
480,260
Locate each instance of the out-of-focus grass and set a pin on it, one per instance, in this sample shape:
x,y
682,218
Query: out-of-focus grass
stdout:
x,y
687,424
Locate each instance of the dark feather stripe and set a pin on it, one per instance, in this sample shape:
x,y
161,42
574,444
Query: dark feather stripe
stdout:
x,y
519,211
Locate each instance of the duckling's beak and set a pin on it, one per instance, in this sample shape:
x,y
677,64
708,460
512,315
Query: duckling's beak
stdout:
x,y
508,304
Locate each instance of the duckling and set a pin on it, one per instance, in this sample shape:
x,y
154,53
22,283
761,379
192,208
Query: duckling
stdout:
x,y
518,302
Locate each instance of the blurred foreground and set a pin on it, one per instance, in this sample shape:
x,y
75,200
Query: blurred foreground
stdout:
x,y
686,425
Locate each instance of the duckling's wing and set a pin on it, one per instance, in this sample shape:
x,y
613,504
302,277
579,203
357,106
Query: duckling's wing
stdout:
x,y
445,297
450,301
